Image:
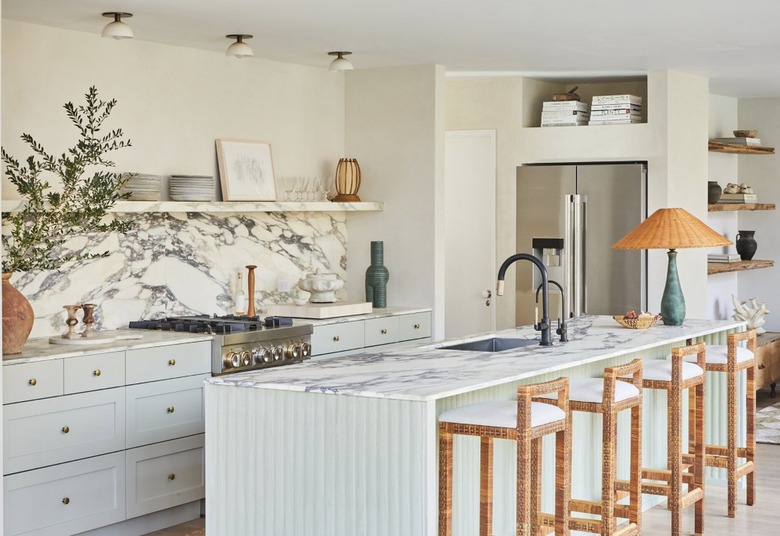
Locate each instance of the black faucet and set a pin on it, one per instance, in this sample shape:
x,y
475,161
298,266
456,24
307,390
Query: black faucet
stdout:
x,y
544,325
562,331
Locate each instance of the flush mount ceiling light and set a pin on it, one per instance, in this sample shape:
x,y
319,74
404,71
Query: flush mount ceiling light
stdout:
x,y
117,29
340,63
239,49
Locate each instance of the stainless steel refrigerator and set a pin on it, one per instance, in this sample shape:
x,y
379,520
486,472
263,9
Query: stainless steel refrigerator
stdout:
x,y
569,216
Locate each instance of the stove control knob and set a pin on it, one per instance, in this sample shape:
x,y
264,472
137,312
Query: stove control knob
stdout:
x,y
268,355
228,360
257,355
305,350
293,351
246,358
235,359
278,353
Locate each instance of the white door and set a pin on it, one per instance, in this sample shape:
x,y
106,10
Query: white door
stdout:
x,y
470,232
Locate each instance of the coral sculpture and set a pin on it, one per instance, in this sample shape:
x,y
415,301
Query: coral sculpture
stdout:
x,y
751,312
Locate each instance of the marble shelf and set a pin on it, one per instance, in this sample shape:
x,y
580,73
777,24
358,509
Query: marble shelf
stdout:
x,y
228,207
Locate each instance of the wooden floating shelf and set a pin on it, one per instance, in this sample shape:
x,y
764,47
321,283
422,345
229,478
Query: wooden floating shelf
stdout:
x,y
734,148
739,266
726,207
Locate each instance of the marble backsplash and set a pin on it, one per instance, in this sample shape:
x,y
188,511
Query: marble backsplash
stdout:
x,y
186,263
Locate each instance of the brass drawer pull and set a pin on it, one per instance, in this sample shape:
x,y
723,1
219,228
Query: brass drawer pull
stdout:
x,y
417,326
65,429
171,362
97,372
761,366
65,500
172,476
335,338
383,331
170,409
33,382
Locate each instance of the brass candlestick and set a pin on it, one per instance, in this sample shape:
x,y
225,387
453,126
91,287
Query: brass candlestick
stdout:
x,y
250,278
71,321
89,319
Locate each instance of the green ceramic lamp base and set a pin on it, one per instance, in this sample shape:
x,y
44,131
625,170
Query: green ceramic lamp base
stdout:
x,y
672,302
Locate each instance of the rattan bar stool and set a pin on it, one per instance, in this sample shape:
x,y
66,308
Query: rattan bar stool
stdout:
x,y
674,376
524,421
731,359
609,396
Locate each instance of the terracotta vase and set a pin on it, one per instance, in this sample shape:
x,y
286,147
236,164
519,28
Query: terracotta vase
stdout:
x,y
18,318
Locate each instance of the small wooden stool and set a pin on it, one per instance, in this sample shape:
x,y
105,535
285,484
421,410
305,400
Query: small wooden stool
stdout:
x,y
674,376
731,359
524,421
609,397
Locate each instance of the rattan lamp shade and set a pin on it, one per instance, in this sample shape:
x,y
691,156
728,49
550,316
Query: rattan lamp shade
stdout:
x,y
671,228
347,181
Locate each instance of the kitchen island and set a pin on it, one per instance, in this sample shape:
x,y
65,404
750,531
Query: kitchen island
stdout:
x,y
348,446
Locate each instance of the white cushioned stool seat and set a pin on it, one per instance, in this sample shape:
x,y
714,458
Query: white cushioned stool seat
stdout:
x,y
592,390
717,354
501,413
661,370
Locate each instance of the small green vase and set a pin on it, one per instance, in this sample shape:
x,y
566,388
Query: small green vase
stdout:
x,y
672,302
377,276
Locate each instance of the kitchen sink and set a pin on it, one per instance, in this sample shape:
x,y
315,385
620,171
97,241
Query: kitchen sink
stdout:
x,y
495,344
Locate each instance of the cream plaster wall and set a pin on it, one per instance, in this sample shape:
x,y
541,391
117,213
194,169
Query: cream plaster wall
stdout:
x,y
173,102
761,172
671,141
723,169
395,129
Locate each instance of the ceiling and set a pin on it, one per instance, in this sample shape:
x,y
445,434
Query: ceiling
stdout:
x,y
736,45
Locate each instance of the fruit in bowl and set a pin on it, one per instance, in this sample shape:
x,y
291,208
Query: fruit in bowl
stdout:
x,y
633,320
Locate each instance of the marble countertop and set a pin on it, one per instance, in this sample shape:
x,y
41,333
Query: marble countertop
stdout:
x,y
375,313
40,349
429,373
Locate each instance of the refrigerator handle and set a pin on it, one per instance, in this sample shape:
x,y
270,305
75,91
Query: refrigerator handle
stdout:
x,y
568,252
578,255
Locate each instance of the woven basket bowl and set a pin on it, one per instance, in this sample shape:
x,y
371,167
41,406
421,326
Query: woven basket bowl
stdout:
x,y
637,323
746,133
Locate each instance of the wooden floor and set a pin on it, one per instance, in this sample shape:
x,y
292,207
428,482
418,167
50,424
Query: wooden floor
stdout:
x,y
762,518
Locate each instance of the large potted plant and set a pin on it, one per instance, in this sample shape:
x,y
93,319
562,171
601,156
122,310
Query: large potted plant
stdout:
x,y
51,214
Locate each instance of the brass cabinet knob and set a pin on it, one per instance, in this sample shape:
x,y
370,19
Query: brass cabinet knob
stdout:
x,y
417,326
65,500
335,338
171,362
65,429
383,331
170,409
761,366
172,476
33,382
96,372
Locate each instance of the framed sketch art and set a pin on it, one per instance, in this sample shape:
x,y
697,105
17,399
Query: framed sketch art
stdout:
x,y
246,170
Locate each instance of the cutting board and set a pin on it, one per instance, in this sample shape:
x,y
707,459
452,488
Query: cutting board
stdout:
x,y
98,338
321,310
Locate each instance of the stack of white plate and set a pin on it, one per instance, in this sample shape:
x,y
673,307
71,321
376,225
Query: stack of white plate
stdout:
x,y
192,188
143,187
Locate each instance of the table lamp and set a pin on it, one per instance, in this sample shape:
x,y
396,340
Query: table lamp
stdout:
x,y
672,229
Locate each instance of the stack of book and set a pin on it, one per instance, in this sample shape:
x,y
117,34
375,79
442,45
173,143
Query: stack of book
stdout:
x,y
564,113
615,110
723,257
739,141
738,198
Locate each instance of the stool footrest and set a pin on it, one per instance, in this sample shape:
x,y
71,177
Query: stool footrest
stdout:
x,y
691,497
665,475
745,469
718,450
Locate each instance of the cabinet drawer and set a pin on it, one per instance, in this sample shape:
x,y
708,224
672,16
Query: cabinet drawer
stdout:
x,y
56,430
92,372
66,499
337,337
383,330
28,381
767,363
415,326
165,475
164,410
163,362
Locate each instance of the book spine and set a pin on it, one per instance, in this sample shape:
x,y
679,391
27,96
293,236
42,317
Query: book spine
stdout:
x,y
635,107
567,124
616,99
618,112
740,141
564,113
565,105
620,121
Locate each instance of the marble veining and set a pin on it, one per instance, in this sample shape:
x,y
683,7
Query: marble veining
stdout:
x,y
185,263
429,372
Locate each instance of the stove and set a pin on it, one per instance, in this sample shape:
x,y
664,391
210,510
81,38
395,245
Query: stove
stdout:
x,y
243,343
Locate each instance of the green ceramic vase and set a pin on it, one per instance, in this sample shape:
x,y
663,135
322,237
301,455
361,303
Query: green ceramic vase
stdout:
x,y
672,302
377,276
